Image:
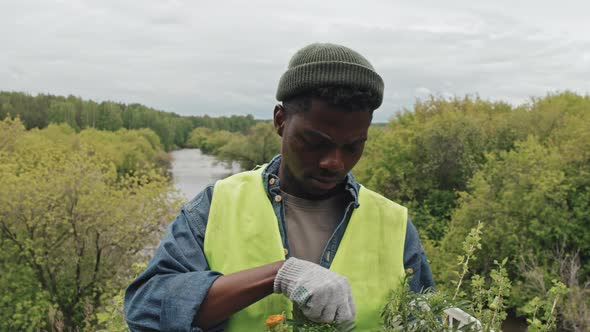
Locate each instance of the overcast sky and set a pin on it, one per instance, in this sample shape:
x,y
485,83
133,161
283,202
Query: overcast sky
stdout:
x,y
226,57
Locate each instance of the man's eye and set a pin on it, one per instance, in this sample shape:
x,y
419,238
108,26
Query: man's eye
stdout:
x,y
314,145
353,148
311,143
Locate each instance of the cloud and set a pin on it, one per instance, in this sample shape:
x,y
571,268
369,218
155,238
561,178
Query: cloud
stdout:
x,y
422,92
226,57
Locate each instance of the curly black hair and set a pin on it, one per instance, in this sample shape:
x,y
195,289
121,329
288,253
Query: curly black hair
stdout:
x,y
345,98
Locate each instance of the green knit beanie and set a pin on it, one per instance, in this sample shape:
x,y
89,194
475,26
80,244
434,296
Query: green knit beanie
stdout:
x,y
322,65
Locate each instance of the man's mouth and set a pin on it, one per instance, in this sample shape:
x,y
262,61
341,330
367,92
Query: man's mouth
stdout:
x,y
331,179
325,183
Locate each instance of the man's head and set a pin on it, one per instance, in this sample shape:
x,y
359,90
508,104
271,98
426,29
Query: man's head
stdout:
x,y
329,93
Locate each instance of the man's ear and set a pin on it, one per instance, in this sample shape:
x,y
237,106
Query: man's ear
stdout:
x,y
279,119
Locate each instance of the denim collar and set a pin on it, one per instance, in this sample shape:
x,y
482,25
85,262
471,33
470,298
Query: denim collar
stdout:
x,y
272,172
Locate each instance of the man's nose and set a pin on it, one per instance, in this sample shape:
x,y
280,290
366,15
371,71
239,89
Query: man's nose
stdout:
x,y
332,161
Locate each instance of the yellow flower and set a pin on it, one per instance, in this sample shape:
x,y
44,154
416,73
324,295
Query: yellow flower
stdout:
x,y
274,320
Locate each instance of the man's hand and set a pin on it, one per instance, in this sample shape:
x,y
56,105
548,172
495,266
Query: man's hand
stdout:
x,y
322,295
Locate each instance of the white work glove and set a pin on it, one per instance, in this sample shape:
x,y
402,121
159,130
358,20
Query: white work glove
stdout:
x,y
322,295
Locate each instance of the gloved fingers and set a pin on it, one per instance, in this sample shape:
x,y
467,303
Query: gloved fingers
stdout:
x,y
313,309
344,314
351,306
329,313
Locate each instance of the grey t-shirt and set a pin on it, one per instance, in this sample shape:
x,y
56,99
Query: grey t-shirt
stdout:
x,y
310,223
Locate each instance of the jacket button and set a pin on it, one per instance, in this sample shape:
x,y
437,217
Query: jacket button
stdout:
x,y
271,181
278,198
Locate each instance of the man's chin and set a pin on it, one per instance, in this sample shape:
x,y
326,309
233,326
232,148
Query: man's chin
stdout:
x,y
319,188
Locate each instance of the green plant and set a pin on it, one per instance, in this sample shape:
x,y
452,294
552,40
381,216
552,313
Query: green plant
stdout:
x,y
544,310
408,311
488,302
470,245
280,323
111,317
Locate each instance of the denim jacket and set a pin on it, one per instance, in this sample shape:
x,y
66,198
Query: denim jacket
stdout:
x,y
168,294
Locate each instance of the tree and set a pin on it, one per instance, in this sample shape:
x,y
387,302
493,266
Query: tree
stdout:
x,y
62,112
256,148
109,116
423,158
530,203
73,225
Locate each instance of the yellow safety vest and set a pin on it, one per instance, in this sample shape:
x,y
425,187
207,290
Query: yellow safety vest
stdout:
x,y
243,233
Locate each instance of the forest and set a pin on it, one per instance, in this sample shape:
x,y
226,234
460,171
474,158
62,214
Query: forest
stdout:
x,y
85,193
172,129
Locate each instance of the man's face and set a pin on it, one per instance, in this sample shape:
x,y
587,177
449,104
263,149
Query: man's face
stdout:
x,y
319,147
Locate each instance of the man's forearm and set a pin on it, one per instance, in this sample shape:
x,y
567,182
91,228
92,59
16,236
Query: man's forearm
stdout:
x,y
234,292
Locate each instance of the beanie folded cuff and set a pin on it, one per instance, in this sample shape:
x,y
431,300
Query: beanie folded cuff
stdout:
x,y
310,76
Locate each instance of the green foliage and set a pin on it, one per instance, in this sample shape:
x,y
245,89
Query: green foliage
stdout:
x,y
210,141
24,301
172,129
256,148
558,292
111,317
470,245
280,323
11,131
528,202
425,157
488,302
234,123
408,311
128,150
531,189
544,311
71,225
316,327
62,112
526,177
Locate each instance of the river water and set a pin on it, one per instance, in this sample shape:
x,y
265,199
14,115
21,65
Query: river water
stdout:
x,y
193,171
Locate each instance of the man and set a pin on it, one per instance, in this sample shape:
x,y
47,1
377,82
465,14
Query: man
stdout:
x,y
298,234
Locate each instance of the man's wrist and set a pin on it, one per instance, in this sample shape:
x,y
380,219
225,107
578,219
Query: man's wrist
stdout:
x,y
288,274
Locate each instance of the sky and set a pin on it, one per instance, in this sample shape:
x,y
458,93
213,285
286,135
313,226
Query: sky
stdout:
x,y
226,57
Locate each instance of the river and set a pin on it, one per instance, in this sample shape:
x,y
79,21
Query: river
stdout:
x,y
193,171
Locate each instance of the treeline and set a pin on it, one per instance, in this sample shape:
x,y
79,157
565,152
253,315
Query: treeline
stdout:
x,y
77,211
172,129
256,147
522,171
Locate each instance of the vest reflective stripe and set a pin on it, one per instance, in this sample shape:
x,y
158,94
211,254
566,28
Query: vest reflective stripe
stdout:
x,y
242,232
